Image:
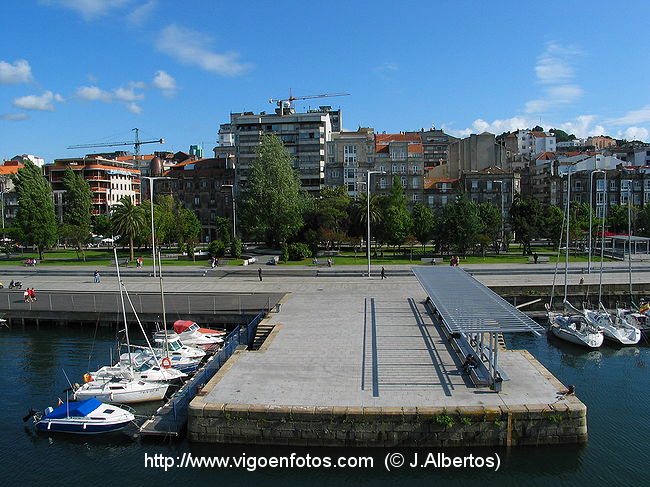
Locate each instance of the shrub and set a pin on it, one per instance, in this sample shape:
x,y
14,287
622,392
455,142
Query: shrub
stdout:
x,y
299,251
217,248
235,248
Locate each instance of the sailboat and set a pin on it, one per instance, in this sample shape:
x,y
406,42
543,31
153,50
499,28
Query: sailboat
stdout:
x,y
571,325
615,327
126,388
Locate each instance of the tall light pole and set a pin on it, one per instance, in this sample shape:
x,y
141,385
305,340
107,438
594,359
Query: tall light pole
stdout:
x,y
591,197
153,235
368,214
234,214
503,228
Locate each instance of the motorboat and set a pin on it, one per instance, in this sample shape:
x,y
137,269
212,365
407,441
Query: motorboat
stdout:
x,y
89,416
193,335
614,328
638,319
574,327
121,390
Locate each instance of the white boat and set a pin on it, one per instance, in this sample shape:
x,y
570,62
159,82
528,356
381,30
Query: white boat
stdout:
x,y
638,319
120,390
193,335
613,327
171,352
575,328
85,417
145,370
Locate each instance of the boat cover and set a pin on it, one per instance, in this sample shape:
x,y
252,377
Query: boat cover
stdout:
x,y
181,325
76,409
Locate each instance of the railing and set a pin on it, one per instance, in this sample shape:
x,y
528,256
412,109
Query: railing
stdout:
x,y
239,336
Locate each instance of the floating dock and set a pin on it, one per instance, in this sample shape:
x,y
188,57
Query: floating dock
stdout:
x,y
370,362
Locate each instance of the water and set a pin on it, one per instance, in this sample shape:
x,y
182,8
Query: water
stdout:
x,y
612,382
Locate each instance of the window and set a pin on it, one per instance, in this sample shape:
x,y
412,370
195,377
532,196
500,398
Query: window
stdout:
x,y
350,174
352,187
600,198
382,168
415,182
474,184
403,168
382,183
394,168
197,201
430,200
637,200
624,198
416,197
612,185
600,184
625,184
403,181
350,154
443,200
578,186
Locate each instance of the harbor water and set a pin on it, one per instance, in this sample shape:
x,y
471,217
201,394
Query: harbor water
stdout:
x,y
612,382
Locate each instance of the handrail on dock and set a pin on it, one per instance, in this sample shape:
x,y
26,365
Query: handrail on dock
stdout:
x,y
170,419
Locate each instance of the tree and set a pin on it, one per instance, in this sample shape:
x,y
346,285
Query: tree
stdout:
x,y
561,135
462,223
102,225
643,221
492,224
617,218
537,128
552,227
128,221
271,204
423,224
526,220
77,209
396,219
224,229
35,218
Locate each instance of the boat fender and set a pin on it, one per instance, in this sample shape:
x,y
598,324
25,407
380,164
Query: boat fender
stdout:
x,y
88,378
166,363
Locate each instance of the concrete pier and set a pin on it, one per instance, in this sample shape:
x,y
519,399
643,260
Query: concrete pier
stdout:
x,y
361,362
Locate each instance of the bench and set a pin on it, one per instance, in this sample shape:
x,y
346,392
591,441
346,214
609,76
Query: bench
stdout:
x,y
432,260
541,258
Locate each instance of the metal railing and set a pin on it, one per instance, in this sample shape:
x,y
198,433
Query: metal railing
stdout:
x,y
242,335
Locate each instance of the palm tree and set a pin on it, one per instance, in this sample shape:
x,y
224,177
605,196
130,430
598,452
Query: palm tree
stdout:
x,y
359,213
128,221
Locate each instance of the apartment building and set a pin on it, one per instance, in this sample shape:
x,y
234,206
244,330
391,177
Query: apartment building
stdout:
x,y
349,156
399,155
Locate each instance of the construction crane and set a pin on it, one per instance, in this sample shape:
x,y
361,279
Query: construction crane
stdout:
x,y
287,103
136,143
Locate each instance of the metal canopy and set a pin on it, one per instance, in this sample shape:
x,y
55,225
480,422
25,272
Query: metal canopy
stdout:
x,y
467,306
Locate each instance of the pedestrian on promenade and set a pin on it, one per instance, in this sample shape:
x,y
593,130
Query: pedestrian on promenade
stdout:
x,y
535,257
213,262
329,262
96,275
32,294
26,295
383,273
259,273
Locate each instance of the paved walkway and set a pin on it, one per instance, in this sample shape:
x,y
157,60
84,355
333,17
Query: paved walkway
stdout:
x,y
366,343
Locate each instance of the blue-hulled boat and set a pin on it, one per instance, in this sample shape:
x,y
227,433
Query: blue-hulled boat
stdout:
x,y
82,417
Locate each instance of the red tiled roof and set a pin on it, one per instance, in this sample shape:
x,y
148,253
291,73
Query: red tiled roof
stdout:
x,y
415,148
10,169
546,156
385,138
430,182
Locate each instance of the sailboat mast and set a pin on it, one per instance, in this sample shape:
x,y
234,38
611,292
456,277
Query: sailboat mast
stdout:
x,y
126,326
162,301
629,238
602,240
568,215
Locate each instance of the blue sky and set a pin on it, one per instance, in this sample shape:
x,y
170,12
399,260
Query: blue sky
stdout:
x,y
85,71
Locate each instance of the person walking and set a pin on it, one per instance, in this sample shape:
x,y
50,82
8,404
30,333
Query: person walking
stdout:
x,y
26,295
383,273
96,276
259,273
32,294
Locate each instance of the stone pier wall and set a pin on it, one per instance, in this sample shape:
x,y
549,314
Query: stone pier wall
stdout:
x,y
530,424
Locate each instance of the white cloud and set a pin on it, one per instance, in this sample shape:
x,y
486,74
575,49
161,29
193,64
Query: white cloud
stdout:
x,y
165,82
138,85
133,108
18,72
496,127
553,64
555,73
633,117
636,133
90,9
127,94
141,12
192,48
37,102
14,117
93,93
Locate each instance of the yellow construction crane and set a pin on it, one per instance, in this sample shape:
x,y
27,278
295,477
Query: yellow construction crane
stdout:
x,y
287,103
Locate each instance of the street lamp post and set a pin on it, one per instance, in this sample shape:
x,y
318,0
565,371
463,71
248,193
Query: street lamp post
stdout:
x,y
234,214
503,228
591,197
368,214
153,235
